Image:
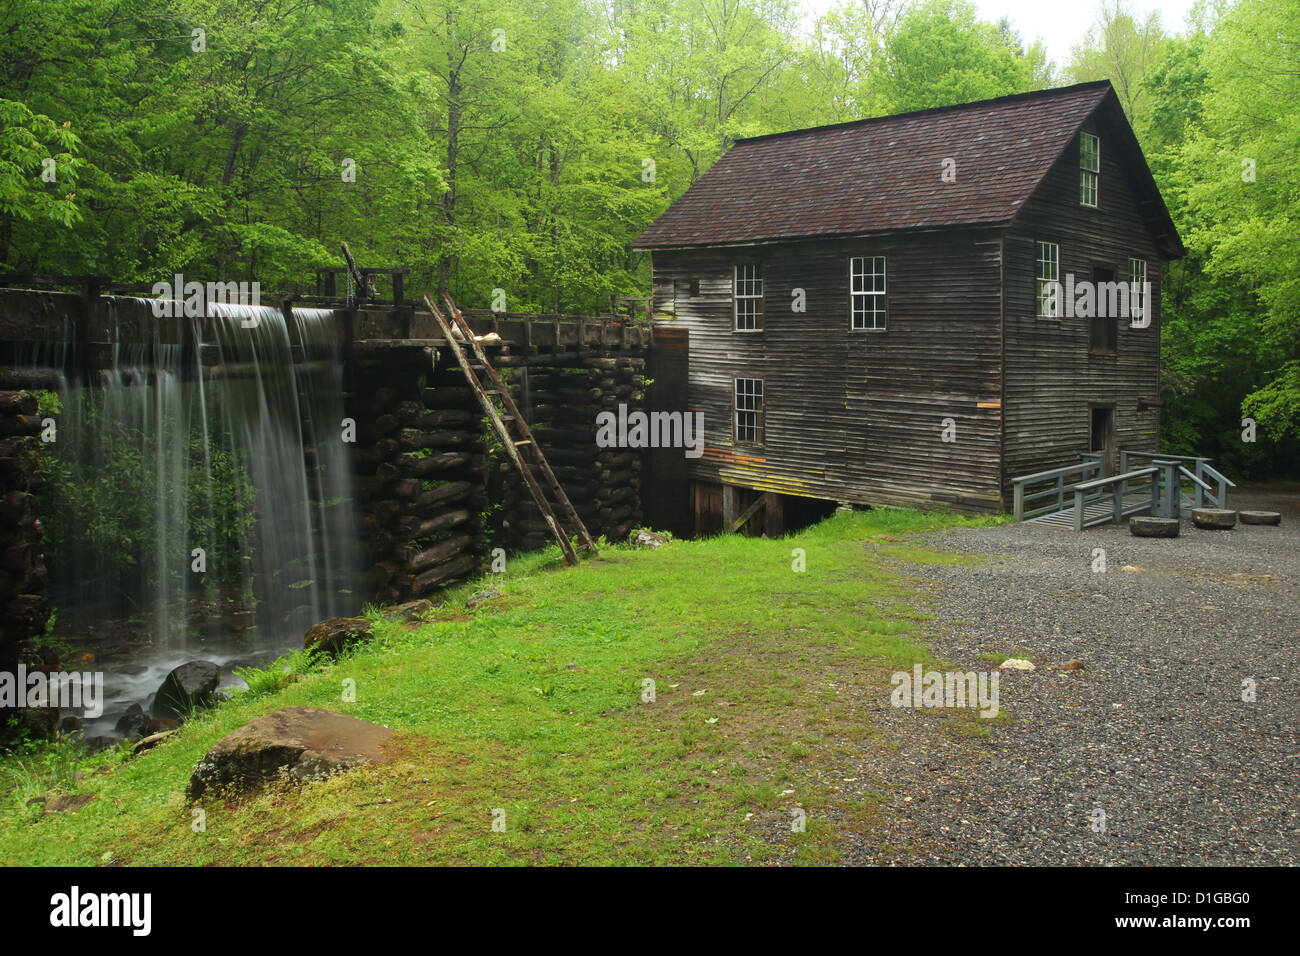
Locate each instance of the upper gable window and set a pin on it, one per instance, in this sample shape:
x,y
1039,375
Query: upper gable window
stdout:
x,y
747,294
1089,168
867,292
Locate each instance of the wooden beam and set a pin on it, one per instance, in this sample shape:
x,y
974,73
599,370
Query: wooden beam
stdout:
x,y
749,512
773,515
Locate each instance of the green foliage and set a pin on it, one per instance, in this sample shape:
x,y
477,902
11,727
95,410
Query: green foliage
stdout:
x,y
48,404
38,168
941,53
521,146
534,704
278,674
1203,104
103,507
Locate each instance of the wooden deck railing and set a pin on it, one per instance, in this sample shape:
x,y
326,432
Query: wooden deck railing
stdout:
x,y
1208,483
1122,495
1056,479
1117,489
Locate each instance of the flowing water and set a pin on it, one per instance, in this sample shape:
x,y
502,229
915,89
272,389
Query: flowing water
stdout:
x,y
198,503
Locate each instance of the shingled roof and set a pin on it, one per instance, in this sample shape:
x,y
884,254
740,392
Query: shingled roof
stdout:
x,y
883,174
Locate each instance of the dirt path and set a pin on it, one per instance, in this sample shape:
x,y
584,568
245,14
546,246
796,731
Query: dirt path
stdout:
x,y
1154,732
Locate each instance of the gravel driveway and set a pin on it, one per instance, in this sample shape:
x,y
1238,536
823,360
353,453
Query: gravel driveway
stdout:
x,y
1153,731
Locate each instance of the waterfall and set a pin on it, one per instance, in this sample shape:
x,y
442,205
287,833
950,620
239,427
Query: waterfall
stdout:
x,y
199,495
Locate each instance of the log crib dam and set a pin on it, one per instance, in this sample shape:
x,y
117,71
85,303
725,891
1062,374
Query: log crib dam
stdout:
x,y
210,486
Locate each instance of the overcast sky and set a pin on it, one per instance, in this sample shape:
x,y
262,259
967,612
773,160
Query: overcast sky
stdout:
x,y
1058,23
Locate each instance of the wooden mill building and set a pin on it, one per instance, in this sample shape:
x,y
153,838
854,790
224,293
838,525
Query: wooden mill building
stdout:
x,y
867,308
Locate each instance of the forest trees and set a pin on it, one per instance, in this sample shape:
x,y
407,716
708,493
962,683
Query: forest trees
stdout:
x,y
515,145
515,148
1218,113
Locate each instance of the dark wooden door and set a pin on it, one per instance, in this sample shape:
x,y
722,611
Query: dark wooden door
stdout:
x,y
1101,440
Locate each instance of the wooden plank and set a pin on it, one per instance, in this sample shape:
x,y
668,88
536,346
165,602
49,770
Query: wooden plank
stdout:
x,y
748,513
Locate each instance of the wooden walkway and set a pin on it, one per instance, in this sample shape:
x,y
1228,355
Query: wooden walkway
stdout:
x,y
1095,512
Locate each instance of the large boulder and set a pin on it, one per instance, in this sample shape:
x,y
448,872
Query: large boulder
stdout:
x,y
134,724
186,689
333,636
301,743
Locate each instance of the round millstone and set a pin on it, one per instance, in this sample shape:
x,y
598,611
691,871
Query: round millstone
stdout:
x,y
1261,517
1145,526
1218,519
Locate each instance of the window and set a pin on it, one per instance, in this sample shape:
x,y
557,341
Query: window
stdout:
x,y
1049,299
1089,168
1137,284
748,297
749,411
867,292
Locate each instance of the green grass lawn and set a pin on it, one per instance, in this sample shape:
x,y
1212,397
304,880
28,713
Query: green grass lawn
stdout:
x,y
532,705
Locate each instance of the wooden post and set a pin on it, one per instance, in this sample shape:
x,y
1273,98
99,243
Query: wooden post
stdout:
x,y
730,505
773,516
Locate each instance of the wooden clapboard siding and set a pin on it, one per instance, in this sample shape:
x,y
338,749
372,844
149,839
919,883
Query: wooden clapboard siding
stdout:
x,y
857,416
850,415
1051,379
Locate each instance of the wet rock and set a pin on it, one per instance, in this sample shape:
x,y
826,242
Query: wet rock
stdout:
x,y
187,688
301,743
40,722
482,598
67,803
71,726
240,620
133,724
336,634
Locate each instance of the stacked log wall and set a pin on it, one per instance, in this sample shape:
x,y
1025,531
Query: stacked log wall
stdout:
x,y
420,475
562,399
24,609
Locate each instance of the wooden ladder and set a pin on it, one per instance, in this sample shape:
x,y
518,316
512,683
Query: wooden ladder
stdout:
x,y
458,325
